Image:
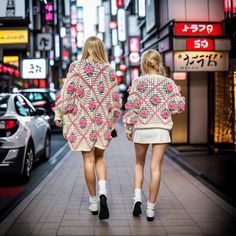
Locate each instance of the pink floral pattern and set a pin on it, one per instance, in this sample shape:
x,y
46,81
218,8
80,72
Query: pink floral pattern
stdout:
x,y
98,120
134,120
142,86
101,88
169,88
117,115
109,124
92,105
143,113
165,114
136,104
83,123
71,138
155,100
116,96
109,106
93,136
172,106
80,92
112,76
89,69
128,106
128,90
181,106
107,135
70,88
72,108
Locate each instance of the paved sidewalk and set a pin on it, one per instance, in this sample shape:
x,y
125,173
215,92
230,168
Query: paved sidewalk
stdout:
x,y
59,205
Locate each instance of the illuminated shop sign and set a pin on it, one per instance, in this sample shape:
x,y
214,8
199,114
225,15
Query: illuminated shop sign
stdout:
x,y
49,12
121,25
35,68
8,70
206,29
12,9
11,60
134,44
119,3
203,44
13,36
201,61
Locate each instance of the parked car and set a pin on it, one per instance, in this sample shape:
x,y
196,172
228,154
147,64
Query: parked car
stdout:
x,y
42,98
24,135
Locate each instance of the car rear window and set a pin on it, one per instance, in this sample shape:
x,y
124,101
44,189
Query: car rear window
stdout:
x,y
33,97
3,104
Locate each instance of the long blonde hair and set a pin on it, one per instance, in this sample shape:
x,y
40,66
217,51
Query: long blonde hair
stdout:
x,y
95,49
151,59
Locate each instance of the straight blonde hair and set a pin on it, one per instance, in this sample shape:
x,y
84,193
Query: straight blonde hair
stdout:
x,y
151,59
95,49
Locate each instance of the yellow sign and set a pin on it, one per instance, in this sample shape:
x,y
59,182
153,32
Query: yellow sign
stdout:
x,y
12,60
13,36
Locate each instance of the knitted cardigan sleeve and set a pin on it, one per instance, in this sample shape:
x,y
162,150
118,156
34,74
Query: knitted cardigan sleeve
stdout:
x,y
176,100
130,116
115,97
66,96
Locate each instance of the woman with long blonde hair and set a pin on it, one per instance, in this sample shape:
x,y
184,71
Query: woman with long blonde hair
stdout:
x,y
153,98
87,108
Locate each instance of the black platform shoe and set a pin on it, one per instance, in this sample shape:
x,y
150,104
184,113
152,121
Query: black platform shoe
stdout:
x,y
104,212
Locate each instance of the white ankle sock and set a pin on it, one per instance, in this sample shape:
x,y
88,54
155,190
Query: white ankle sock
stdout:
x,y
102,187
93,199
137,195
150,205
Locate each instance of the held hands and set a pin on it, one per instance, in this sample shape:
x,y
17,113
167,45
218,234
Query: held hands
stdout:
x,y
58,123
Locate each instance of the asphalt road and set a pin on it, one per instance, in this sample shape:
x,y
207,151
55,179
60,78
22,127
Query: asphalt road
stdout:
x,y
12,191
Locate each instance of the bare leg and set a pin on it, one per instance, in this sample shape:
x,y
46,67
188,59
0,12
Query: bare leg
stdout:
x,y
89,163
100,164
140,150
158,151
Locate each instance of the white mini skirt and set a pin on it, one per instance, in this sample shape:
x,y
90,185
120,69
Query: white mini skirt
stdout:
x,y
151,135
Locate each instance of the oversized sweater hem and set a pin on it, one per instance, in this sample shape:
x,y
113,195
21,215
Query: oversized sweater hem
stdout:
x,y
146,126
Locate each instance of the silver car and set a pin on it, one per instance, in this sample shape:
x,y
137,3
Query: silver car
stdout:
x,y
24,135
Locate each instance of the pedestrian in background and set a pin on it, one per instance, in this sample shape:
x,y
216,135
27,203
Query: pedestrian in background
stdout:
x,y
153,98
88,107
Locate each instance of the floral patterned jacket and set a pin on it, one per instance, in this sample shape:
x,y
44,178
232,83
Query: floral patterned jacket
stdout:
x,y
152,99
88,105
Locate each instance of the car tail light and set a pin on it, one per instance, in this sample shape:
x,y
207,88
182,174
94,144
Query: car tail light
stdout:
x,y
52,104
8,127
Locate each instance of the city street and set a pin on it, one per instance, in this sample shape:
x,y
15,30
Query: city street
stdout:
x,y
59,205
12,191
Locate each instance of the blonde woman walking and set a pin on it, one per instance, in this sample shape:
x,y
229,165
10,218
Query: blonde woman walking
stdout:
x,y
88,107
152,100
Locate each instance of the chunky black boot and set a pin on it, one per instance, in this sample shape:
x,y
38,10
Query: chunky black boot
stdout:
x,y
137,209
104,212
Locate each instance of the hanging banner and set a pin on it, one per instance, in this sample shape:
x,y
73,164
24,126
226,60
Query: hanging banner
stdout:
x,y
201,61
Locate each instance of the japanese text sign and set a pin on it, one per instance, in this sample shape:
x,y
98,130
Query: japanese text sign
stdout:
x,y
203,44
206,29
34,68
201,61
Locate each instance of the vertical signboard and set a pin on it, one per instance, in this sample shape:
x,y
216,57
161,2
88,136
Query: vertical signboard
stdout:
x,y
12,9
121,25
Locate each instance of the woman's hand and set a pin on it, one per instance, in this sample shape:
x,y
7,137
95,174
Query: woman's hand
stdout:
x,y
129,136
58,123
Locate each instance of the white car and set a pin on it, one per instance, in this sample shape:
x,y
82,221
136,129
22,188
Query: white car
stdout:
x,y
24,135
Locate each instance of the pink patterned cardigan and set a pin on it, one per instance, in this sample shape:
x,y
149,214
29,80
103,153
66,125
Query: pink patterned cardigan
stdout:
x,y
88,105
152,99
